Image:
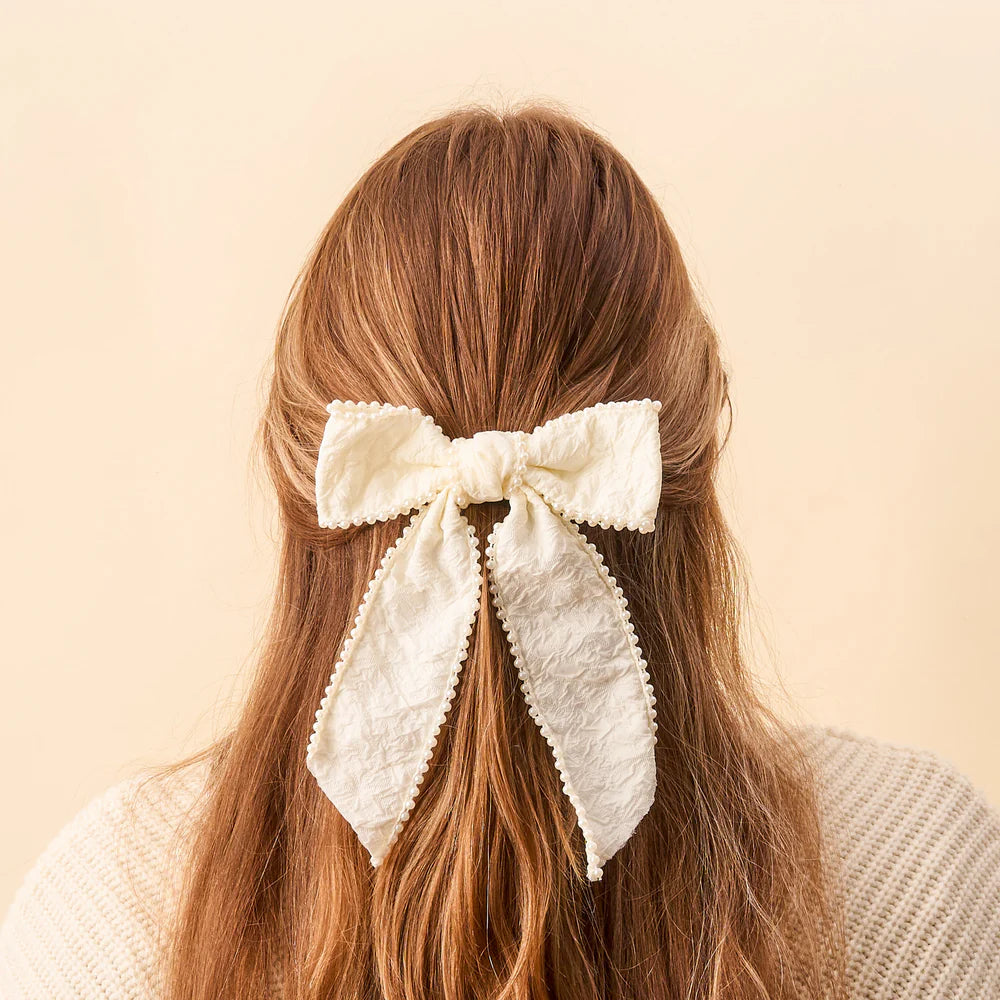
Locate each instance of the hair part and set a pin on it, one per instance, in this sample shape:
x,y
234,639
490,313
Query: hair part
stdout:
x,y
496,269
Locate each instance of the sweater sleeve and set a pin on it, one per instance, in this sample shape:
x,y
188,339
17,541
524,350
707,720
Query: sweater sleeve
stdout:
x,y
87,923
920,850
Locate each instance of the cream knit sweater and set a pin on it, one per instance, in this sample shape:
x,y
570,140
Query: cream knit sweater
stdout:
x,y
919,845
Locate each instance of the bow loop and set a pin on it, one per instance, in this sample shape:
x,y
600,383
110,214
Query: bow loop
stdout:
x,y
376,462
566,620
600,465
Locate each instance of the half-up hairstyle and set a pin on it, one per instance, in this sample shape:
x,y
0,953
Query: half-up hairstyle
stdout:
x,y
494,270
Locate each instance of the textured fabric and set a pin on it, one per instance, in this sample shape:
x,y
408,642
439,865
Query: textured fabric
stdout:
x,y
581,671
88,919
575,649
920,851
918,847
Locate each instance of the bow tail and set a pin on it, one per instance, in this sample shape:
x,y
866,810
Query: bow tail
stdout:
x,y
581,669
396,676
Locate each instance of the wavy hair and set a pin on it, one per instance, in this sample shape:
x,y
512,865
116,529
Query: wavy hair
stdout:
x,y
495,269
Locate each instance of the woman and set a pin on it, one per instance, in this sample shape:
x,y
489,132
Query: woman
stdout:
x,y
492,272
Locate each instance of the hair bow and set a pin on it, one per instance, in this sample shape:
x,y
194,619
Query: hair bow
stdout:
x,y
576,652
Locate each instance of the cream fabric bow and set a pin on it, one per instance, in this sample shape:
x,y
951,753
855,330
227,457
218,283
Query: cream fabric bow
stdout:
x,y
567,623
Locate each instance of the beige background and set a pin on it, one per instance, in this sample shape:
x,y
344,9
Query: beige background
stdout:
x,y
831,169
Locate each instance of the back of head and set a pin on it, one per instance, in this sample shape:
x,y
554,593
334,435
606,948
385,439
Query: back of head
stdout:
x,y
495,270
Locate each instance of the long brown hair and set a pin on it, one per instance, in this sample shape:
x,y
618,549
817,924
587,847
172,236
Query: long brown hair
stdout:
x,y
495,269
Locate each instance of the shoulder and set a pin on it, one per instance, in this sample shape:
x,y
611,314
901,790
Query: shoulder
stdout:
x,y
87,919
919,850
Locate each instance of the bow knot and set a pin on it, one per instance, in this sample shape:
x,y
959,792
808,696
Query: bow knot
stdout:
x,y
489,465
567,623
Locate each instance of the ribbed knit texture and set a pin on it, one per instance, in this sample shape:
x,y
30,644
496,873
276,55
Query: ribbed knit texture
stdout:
x,y
919,847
